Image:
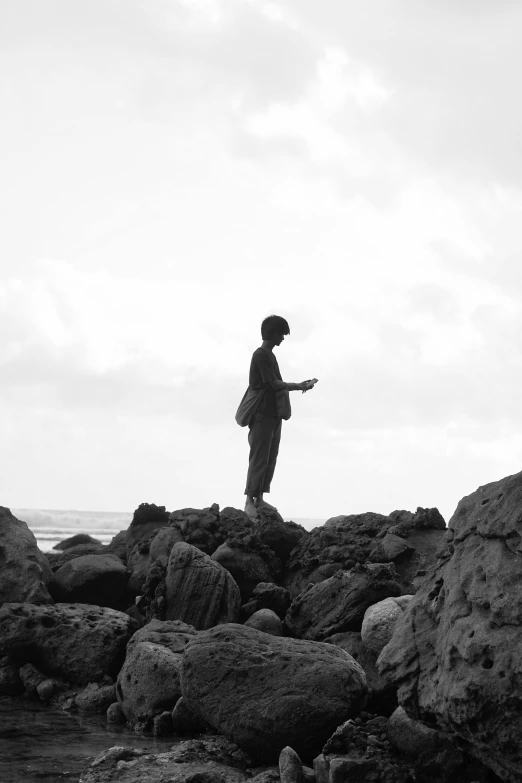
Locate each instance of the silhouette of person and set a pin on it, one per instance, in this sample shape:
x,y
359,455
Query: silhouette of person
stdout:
x,y
265,426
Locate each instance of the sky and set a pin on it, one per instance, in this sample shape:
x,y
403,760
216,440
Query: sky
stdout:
x,y
173,171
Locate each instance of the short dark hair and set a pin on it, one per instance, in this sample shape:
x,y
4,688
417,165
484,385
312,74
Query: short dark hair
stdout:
x,y
274,324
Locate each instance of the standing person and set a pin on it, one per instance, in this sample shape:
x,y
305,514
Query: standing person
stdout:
x,y
265,426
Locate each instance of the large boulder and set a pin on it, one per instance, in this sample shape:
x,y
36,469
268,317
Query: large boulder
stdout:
x,y
339,603
75,642
92,579
198,590
455,653
380,619
79,538
266,692
25,573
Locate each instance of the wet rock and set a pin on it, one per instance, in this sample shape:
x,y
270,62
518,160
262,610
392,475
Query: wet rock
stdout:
x,y
382,695
149,682
339,603
47,689
265,692
79,538
95,699
455,654
380,619
411,736
162,725
290,767
115,713
78,643
266,621
198,590
25,573
92,579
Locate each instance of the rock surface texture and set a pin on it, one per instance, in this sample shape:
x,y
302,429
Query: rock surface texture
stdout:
x,y
79,643
25,573
456,653
380,619
339,603
198,590
265,692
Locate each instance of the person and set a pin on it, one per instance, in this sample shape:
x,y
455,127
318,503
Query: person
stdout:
x,y
265,427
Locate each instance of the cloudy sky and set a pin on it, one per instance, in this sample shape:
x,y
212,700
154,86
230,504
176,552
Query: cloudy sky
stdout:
x,y
172,171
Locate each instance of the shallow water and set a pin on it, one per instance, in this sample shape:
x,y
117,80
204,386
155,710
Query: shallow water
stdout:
x,y
38,743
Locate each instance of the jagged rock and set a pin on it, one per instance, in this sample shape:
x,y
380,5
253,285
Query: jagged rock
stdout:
x,y
455,654
198,590
382,695
380,619
146,520
58,559
411,736
92,579
149,682
95,699
79,538
265,692
76,642
198,526
282,537
339,603
267,621
248,568
25,573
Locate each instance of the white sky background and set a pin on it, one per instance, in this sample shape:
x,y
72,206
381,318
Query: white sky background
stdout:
x,y
172,171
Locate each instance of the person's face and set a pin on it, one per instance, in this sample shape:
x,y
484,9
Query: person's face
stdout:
x,y
278,339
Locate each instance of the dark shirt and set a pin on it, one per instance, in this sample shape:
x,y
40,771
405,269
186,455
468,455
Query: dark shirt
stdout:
x,y
264,370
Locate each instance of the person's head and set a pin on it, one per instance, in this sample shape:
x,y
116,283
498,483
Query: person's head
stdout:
x,y
274,329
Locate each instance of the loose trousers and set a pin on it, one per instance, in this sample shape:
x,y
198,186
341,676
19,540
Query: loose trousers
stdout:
x,y
263,438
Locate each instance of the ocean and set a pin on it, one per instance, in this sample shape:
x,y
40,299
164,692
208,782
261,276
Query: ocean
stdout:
x,y
52,526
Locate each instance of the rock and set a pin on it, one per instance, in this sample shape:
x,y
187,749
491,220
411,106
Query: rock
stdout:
x,y
198,590
79,538
339,603
265,692
411,736
147,519
162,725
117,546
47,689
382,695
290,767
274,597
92,579
321,769
200,527
380,619
162,543
172,634
58,559
455,654
270,775
115,713
129,765
95,699
282,537
149,682
10,682
422,519
267,621
184,721
78,643
25,573
248,568
31,677
390,549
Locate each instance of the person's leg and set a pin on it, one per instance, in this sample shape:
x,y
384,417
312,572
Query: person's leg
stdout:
x,y
270,468
260,440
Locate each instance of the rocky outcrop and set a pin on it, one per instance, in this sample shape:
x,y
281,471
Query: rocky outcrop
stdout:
x,y
25,573
79,538
75,642
265,692
198,590
339,603
455,654
379,621
92,579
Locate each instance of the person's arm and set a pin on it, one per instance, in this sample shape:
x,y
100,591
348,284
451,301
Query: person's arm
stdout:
x,y
269,377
